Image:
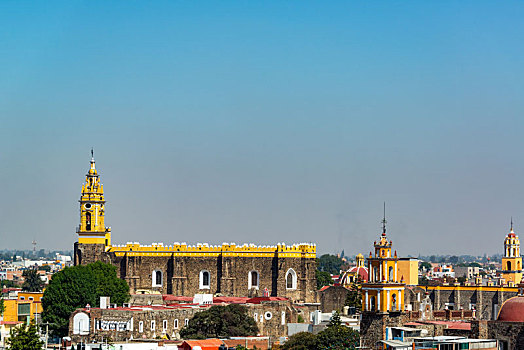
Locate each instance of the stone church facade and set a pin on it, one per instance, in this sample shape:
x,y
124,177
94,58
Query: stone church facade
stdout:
x,y
182,269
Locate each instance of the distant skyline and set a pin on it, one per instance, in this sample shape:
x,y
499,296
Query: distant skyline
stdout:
x,y
265,122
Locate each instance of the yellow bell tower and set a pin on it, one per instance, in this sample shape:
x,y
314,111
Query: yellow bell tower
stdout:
x,y
92,229
512,261
384,291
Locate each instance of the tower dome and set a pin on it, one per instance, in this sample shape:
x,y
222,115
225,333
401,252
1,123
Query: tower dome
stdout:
x,y
512,310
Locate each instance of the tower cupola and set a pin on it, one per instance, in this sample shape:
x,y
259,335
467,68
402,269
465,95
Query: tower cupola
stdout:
x,y
92,227
511,260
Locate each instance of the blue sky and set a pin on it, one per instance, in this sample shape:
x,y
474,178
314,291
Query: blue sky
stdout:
x,y
265,121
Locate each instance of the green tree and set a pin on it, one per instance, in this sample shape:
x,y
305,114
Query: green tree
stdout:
x,y
330,263
8,284
424,265
301,341
32,281
220,322
423,281
323,278
75,287
354,296
108,284
2,306
337,336
46,268
24,338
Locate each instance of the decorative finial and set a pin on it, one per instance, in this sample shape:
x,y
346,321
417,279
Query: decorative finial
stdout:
x,y
92,153
384,221
511,224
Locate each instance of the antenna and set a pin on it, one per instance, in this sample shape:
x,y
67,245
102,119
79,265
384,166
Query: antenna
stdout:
x,y
384,221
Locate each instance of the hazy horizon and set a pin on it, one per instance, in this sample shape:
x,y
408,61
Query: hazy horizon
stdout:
x,y
265,122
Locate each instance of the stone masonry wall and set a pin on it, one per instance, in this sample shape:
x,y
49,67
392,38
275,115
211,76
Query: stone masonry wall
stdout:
x,y
271,317
373,326
483,301
510,333
228,275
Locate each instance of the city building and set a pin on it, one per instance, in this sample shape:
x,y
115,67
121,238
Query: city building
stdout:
x,y
25,307
5,331
181,269
408,270
468,272
458,316
272,315
442,271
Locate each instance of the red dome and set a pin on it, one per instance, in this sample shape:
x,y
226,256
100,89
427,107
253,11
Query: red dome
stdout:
x,y
361,271
512,310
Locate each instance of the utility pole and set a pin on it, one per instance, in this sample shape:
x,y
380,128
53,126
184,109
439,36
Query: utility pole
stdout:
x,y
46,333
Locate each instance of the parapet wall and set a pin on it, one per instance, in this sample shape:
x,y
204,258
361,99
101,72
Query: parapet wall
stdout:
x,y
281,250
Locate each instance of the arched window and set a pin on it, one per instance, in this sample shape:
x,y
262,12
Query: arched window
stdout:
x,y
291,279
394,302
88,221
204,279
252,280
508,266
157,278
81,324
391,273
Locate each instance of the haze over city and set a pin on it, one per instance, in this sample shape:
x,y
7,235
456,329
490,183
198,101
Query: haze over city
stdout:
x,y
265,122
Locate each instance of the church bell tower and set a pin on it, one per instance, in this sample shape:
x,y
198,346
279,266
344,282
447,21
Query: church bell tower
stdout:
x,y
93,236
512,261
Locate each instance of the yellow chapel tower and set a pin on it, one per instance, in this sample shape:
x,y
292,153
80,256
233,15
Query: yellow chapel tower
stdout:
x,y
93,236
512,261
384,291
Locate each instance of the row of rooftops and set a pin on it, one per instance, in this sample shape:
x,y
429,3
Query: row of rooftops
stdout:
x,y
172,302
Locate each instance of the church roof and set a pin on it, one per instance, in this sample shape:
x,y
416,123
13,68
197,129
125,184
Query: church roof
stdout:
x,y
361,271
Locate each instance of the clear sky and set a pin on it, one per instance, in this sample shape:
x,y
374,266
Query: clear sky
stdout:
x,y
265,121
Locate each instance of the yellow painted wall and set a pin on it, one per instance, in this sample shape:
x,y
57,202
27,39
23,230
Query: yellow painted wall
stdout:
x,y
11,305
36,305
11,310
409,269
